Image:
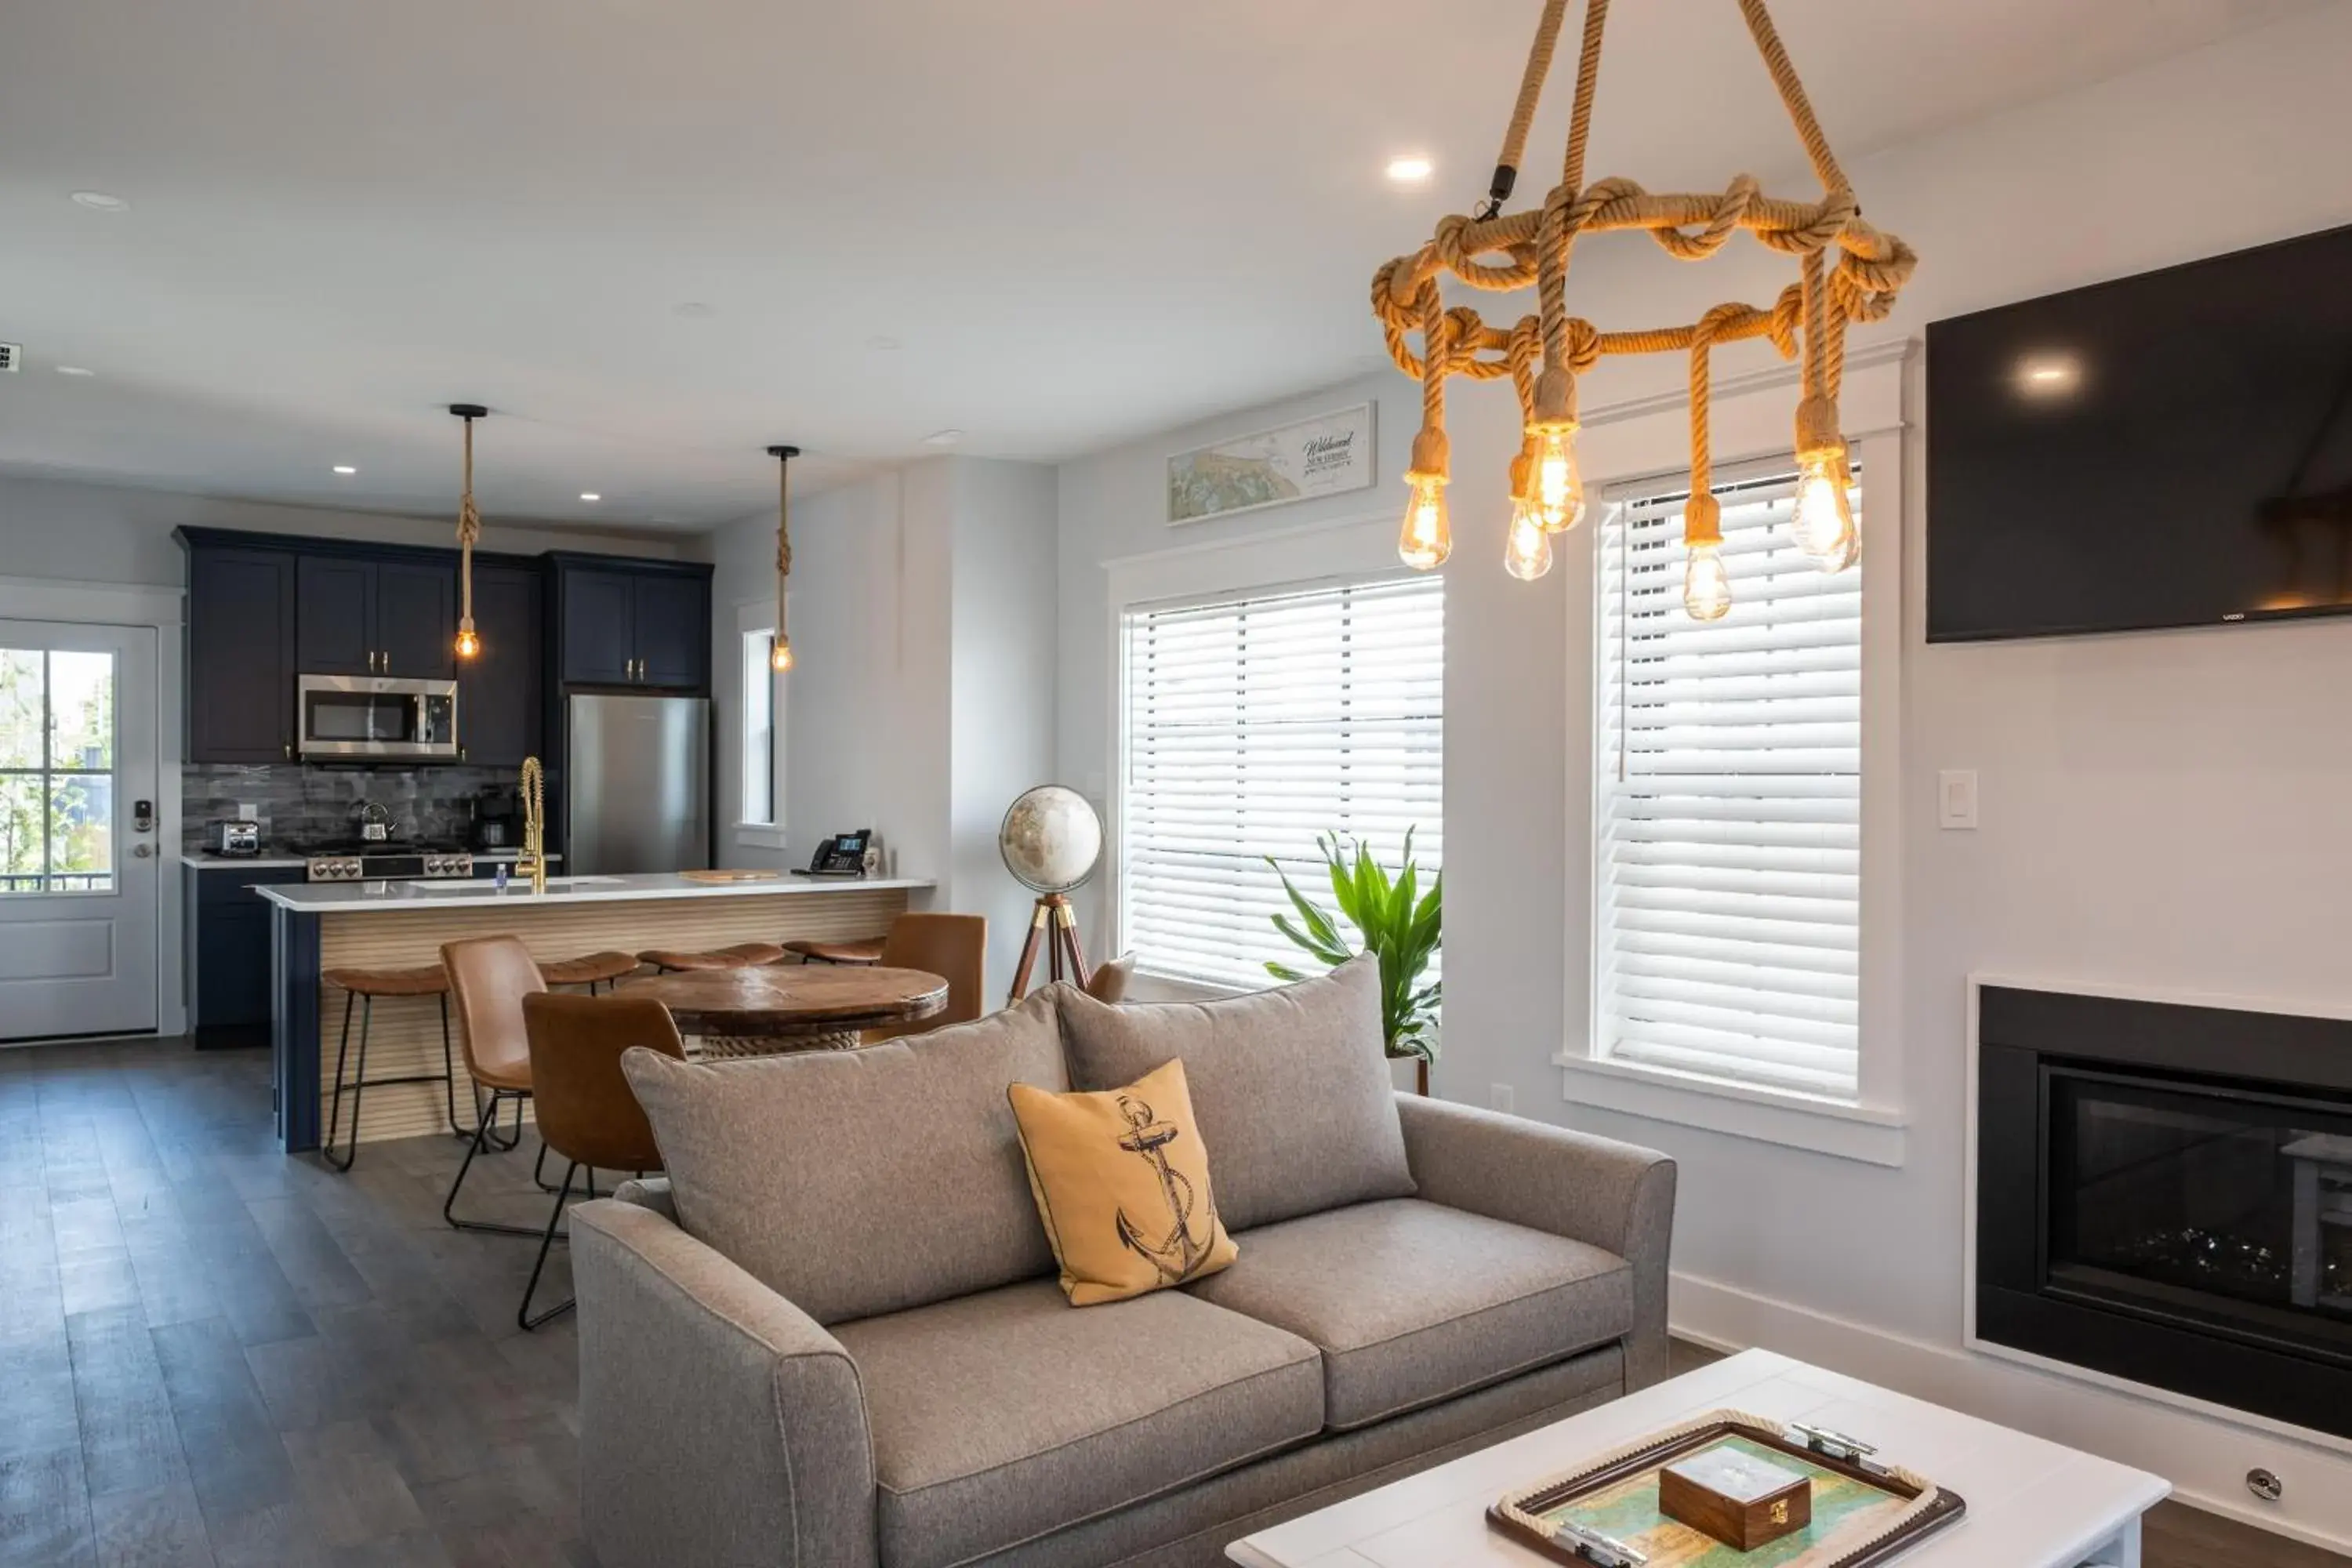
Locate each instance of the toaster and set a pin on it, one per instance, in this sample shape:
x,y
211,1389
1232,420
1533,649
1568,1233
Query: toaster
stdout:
x,y
227,837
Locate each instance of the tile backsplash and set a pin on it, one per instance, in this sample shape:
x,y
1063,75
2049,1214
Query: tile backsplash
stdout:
x,y
301,805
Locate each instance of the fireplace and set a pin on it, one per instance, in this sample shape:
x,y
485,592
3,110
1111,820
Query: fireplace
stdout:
x,y
2164,1193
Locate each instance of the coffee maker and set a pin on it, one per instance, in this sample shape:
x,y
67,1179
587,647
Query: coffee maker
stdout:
x,y
492,814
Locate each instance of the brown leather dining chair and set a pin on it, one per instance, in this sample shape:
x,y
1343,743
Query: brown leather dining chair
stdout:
x,y
1109,983
953,946
488,978
587,1113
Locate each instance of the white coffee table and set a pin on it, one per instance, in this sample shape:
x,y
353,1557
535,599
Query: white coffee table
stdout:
x,y
2032,1504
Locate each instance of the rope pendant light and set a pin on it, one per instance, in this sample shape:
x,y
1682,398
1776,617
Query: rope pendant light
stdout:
x,y
779,657
1503,254
469,531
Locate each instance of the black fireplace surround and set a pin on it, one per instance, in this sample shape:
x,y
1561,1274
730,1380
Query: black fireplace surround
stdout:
x,y
2164,1193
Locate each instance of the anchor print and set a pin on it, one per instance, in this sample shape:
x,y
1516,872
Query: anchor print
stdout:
x,y
1175,1252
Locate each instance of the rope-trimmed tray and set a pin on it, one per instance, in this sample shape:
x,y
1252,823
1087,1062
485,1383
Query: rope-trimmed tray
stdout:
x,y
1604,1513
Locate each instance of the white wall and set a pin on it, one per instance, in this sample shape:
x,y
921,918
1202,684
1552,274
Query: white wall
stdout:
x,y
922,700
2153,806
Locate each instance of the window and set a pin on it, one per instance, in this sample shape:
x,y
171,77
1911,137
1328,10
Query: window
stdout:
x,y
1728,801
1253,724
759,682
57,770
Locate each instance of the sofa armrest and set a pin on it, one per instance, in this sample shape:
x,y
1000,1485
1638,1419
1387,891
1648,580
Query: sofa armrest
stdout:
x,y
1588,1189
718,1423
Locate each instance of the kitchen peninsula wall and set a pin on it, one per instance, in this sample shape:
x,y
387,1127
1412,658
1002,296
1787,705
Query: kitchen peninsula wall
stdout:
x,y
301,805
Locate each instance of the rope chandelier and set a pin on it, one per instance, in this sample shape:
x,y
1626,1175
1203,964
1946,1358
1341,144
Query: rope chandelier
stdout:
x,y
779,656
469,533
1545,352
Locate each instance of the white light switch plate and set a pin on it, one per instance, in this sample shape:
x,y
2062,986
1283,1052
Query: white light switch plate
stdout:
x,y
1956,798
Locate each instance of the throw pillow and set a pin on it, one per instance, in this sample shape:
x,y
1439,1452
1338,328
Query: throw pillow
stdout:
x,y
1291,1084
1122,1182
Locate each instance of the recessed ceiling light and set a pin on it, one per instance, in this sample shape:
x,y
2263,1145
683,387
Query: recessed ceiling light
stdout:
x,y
345,468
883,345
692,310
1410,170
100,202
942,437
75,370
590,495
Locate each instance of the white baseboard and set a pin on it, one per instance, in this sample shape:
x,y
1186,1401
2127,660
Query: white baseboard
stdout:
x,y
2205,1460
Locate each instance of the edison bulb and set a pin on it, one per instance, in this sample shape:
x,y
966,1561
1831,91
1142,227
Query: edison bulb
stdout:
x,y
1559,479
779,657
1427,537
469,643
1825,529
1706,586
1526,551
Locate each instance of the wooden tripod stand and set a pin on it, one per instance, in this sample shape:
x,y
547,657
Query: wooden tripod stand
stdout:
x,y
1055,924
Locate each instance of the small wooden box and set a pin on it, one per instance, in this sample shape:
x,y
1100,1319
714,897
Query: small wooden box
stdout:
x,y
1735,1497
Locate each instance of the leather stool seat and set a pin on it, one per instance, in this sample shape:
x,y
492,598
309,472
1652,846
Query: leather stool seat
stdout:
x,y
864,950
742,956
427,981
590,969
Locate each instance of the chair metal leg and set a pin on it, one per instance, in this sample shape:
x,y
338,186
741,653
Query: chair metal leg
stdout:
x,y
481,1132
503,1142
554,1217
449,1073
538,1172
351,1149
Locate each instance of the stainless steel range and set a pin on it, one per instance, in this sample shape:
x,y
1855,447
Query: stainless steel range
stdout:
x,y
382,862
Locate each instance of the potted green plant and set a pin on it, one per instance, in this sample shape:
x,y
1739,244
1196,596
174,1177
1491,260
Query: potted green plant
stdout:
x,y
1395,921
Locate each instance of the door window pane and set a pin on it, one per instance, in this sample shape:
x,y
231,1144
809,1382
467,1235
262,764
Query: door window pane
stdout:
x,y
21,694
57,779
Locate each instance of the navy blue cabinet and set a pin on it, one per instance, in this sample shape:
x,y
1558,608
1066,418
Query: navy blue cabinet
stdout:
x,y
501,705
240,655
361,616
227,947
632,623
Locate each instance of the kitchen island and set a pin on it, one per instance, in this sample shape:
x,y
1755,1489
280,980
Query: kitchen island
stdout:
x,y
315,927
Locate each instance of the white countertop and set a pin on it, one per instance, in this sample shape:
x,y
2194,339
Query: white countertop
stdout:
x,y
365,898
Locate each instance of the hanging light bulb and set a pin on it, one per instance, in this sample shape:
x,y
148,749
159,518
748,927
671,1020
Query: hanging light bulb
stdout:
x,y
1826,526
779,657
1527,549
468,642
1427,537
780,653
1706,586
1560,479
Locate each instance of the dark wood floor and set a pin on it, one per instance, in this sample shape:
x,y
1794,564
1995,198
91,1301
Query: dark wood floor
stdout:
x,y
211,1353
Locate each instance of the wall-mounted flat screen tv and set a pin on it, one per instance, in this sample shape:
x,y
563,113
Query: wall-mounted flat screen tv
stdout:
x,y
2173,449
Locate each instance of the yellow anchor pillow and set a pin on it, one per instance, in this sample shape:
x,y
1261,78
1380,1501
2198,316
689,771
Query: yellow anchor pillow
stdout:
x,y
1122,1184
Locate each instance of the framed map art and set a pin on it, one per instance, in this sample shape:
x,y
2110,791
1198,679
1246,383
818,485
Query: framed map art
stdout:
x,y
1329,455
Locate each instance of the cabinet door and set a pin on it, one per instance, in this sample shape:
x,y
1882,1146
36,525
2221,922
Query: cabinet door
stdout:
x,y
673,616
599,644
501,713
335,620
240,674
416,619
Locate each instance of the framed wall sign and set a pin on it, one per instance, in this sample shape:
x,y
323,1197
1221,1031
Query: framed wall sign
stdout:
x,y
1329,455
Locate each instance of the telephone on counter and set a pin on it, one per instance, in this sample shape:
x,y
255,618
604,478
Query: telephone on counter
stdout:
x,y
843,855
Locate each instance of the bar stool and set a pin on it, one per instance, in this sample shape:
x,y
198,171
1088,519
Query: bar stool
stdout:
x,y
862,950
587,1113
492,976
591,970
954,947
363,986
1110,981
742,956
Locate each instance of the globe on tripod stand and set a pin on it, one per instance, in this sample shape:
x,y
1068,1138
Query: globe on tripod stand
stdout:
x,y
1051,840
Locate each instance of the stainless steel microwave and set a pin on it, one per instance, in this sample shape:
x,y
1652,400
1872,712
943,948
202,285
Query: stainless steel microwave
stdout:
x,y
377,716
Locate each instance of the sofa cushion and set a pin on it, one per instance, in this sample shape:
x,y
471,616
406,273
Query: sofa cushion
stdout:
x,y
1411,1302
1122,1185
853,1183
1002,1417
1291,1087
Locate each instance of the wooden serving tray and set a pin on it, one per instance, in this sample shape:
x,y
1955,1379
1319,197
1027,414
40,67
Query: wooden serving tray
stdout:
x,y
1863,1513
732,875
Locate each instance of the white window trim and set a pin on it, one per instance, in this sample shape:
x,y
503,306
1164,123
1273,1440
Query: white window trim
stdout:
x,y
751,618
1313,555
1750,420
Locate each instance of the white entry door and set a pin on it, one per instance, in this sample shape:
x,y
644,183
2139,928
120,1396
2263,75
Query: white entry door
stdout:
x,y
79,865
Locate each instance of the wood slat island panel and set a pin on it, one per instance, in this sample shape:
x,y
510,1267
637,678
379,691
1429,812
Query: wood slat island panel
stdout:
x,y
405,1037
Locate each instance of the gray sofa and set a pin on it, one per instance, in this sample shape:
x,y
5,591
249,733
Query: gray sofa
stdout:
x,y
832,1336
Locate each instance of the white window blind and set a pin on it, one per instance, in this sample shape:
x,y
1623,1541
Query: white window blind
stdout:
x,y
1729,802
1253,724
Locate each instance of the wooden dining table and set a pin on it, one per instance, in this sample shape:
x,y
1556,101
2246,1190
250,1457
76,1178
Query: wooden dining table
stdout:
x,y
790,1007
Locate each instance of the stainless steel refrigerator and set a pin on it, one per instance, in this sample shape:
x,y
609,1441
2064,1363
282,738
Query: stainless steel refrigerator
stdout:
x,y
636,784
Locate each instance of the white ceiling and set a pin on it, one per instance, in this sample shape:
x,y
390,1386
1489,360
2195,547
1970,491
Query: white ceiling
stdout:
x,y
1078,222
